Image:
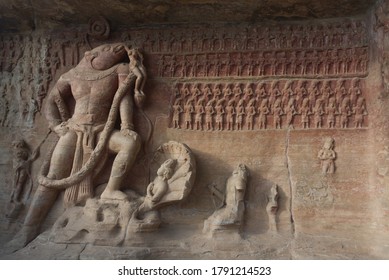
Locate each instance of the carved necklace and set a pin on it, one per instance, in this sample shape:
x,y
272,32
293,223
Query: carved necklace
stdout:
x,y
93,74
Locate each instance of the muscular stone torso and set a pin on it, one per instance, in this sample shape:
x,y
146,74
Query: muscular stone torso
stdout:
x,y
92,97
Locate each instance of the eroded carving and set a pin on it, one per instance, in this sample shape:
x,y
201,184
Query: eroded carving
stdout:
x,y
327,156
22,177
272,208
340,34
283,63
314,194
232,212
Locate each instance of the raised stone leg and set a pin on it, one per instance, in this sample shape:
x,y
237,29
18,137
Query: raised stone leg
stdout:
x,y
127,148
43,200
44,197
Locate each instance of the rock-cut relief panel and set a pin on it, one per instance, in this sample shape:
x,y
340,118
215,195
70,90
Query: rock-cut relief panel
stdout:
x,y
300,104
286,63
328,49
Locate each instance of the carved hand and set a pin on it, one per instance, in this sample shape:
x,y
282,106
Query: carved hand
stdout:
x,y
139,99
61,129
129,133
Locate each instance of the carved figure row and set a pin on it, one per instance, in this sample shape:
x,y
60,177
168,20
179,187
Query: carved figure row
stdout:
x,y
351,61
236,106
29,65
340,34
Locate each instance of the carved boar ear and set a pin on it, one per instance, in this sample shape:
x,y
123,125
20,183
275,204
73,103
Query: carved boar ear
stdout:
x,y
89,55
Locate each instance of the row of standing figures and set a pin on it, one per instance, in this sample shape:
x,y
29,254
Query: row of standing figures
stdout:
x,y
345,34
234,114
334,62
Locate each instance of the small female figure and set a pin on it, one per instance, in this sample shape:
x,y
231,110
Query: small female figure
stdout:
x,y
230,111
177,110
209,112
263,112
277,113
219,114
251,112
327,156
199,109
305,112
188,111
240,113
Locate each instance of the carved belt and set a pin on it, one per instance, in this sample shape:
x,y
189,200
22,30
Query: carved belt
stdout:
x,y
86,135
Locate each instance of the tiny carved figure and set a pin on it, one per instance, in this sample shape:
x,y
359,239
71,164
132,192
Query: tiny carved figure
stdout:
x,y
188,111
261,90
200,111
21,165
354,92
287,93
195,92
305,112
227,92
272,208
326,91
219,114
136,66
277,113
314,92
230,111
345,113
290,113
207,92
217,93
237,91
318,113
209,112
250,113
301,92
360,111
248,92
177,110
331,111
263,112
327,156
240,113
340,91
274,94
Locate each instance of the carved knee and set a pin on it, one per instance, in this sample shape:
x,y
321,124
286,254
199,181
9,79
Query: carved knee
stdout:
x,y
131,146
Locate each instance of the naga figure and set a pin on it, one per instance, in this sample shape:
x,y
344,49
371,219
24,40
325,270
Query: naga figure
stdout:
x,y
173,183
104,87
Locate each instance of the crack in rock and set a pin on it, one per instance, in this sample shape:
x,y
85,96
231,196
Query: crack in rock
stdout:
x,y
287,162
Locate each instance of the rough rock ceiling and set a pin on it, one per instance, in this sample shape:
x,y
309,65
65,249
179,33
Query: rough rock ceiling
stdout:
x,y
25,15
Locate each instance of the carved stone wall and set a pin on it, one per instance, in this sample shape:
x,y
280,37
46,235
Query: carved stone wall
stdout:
x,y
265,96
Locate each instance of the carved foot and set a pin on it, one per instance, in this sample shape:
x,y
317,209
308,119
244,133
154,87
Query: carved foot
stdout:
x,y
21,239
113,195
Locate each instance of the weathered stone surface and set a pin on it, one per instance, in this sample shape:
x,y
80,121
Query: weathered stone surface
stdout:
x,y
302,104
22,15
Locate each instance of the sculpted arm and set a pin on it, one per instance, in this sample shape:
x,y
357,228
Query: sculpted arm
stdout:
x,y
56,107
126,112
126,108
